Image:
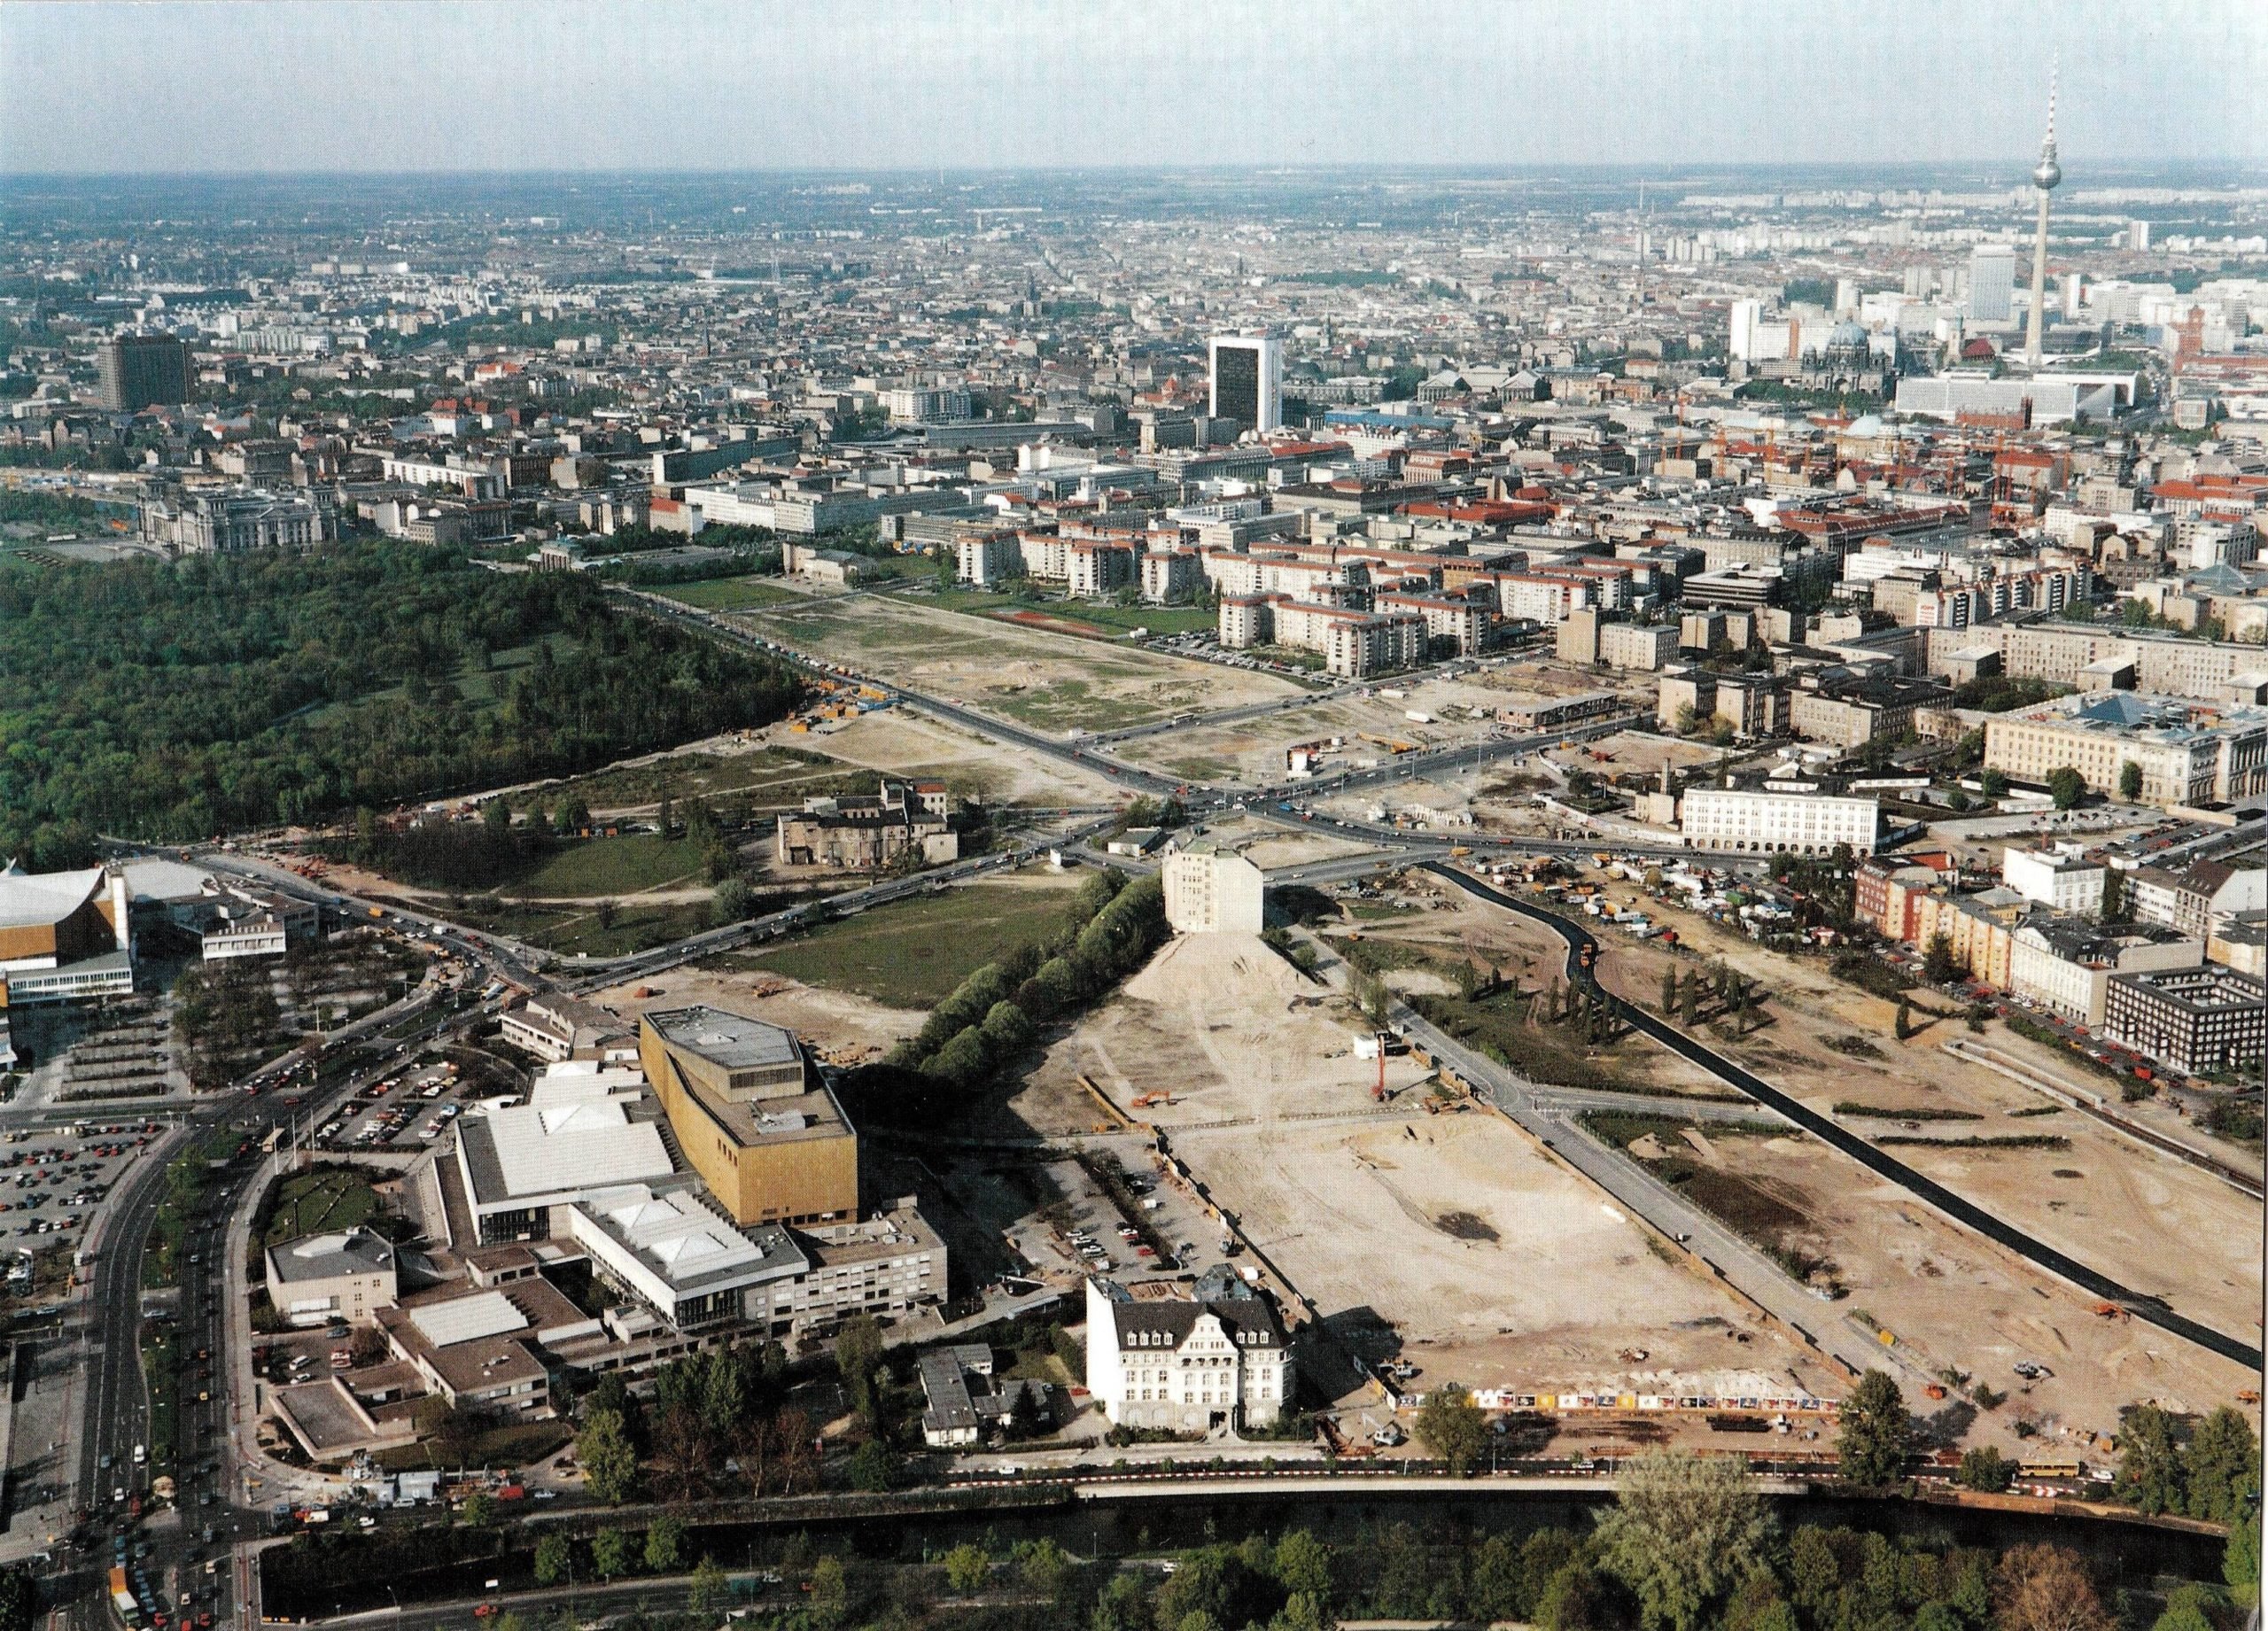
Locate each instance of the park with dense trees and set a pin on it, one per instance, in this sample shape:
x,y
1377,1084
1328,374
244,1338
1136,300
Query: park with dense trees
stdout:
x,y
178,700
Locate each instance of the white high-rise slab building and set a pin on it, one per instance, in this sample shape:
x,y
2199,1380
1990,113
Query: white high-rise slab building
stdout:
x,y
1991,283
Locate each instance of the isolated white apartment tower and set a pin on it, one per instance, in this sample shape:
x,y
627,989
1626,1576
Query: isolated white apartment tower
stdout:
x,y
1991,283
1211,891
1247,372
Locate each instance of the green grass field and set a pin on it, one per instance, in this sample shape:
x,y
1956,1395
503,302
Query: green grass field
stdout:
x,y
599,868
314,1203
730,594
912,953
570,929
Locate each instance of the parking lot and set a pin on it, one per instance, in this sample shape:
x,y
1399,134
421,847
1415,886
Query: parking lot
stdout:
x,y
50,1178
412,1106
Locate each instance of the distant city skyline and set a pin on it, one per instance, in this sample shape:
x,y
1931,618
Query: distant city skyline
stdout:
x,y
304,86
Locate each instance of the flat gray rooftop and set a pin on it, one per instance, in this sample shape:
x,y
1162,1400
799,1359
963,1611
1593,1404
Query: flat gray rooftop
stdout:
x,y
731,1040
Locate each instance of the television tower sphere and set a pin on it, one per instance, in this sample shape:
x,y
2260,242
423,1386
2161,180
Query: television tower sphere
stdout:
x,y
2047,174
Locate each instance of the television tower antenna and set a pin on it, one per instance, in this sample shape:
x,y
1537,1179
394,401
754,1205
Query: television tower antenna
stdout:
x,y
2046,177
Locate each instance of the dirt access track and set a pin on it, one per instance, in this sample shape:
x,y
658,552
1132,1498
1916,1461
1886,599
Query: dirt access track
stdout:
x,y
1449,1239
1049,683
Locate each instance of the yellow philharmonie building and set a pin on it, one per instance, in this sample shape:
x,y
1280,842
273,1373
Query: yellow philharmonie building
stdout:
x,y
753,1115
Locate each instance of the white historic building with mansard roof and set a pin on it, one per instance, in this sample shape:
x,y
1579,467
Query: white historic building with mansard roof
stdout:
x,y
1186,1358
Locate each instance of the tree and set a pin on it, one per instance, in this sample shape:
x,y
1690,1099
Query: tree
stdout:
x,y
731,901
2224,1468
1024,1420
1669,990
873,1467
2149,1460
609,1464
2130,781
1043,1567
1683,1530
664,1546
1692,1012
858,1355
683,1448
1938,964
830,1594
2066,787
2240,1563
479,1511
967,1567
709,1587
19,1597
1985,1469
1303,1563
1452,1427
2189,1608
496,816
1571,1599
604,911
610,1553
2042,1587
1876,1432
961,1061
1903,1024
554,1559
1007,1031
1992,784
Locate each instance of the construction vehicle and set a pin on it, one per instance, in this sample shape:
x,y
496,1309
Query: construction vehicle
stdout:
x,y
1142,1101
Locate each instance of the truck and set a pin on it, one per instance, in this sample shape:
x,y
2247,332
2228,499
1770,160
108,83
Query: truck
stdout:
x,y
121,1597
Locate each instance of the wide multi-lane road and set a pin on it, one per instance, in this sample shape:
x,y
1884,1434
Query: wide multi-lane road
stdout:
x,y
111,1410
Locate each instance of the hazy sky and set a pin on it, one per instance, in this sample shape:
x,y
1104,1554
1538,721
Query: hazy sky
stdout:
x,y
376,85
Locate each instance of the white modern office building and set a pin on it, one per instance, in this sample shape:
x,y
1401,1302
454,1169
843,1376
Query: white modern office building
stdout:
x,y
1992,283
1760,822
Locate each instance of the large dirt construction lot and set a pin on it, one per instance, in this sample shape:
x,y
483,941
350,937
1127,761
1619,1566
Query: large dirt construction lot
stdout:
x,y
1951,1299
1449,1237
1048,681
900,743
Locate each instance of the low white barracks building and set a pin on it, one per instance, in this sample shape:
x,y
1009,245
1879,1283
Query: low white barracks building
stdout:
x,y
1166,1354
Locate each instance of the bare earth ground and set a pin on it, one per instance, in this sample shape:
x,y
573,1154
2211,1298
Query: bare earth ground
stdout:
x,y
1634,750
902,744
1048,681
2147,1220
1383,1214
1952,1300
1364,724
834,1022
1277,850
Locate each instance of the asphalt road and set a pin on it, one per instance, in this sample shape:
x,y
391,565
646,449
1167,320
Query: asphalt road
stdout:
x,y
1953,1206
111,1412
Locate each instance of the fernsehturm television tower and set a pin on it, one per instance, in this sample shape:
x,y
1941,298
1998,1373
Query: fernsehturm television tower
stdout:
x,y
2044,176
